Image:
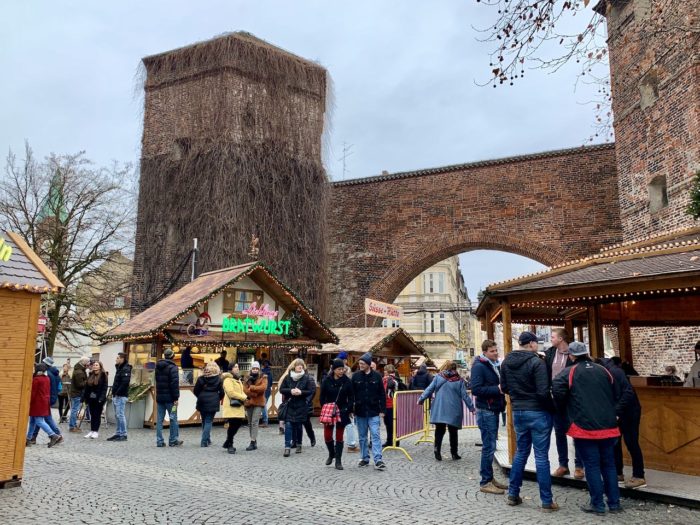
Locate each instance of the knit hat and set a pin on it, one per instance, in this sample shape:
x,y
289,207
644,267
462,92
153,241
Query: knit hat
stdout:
x,y
169,354
527,338
342,355
337,363
367,358
40,368
576,348
255,364
48,361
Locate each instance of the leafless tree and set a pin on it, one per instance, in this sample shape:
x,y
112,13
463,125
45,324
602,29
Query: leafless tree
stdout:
x,y
74,215
524,29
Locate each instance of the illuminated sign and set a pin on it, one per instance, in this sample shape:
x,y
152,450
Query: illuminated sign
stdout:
x,y
5,250
255,326
263,311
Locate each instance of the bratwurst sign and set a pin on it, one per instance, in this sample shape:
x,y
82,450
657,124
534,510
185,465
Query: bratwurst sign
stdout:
x,y
379,309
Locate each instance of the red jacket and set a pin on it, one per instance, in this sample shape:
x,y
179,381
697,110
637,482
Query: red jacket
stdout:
x,y
41,394
390,391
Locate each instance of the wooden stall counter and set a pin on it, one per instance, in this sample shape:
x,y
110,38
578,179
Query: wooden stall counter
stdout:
x,y
670,428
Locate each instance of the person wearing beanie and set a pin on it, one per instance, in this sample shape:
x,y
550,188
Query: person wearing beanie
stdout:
x,y
588,394
254,388
167,398
336,388
524,378
370,403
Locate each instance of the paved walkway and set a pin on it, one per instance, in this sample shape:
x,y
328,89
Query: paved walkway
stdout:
x,y
99,482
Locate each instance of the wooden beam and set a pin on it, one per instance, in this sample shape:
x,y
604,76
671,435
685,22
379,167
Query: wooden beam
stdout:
x,y
507,349
569,327
579,333
624,334
595,332
490,331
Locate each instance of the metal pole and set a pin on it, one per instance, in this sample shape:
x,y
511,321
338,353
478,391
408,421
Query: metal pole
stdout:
x,y
194,261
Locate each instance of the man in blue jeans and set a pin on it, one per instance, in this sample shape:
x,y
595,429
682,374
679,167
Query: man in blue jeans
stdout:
x,y
524,379
77,385
370,403
167,396
588,394
490,403
120,395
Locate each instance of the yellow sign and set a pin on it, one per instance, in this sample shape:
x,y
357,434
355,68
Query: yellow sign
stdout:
x,y
5,250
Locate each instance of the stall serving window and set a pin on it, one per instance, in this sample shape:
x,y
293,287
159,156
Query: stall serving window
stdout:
x,y
235,301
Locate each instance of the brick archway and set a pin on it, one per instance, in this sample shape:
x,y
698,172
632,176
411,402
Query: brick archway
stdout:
x,y
385,230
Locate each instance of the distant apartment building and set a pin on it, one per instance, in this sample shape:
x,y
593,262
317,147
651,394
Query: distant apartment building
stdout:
x,y
436,312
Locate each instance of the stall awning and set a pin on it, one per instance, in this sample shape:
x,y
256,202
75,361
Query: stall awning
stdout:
x,y
374,339
21,268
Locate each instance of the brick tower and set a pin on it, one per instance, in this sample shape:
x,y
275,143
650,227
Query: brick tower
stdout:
x,y
231,148
655,73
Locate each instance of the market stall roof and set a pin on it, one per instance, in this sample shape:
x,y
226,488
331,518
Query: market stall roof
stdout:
x,y
193,295
654,267
375,340
23,270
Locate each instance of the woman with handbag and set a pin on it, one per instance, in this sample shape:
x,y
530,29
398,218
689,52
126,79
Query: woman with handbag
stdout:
x,y
209,392
294,387
95,395
233,409
254,387
336,404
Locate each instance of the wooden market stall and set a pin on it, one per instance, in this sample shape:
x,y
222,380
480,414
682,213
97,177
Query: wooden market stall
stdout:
x,y
654,282
244,310
23,278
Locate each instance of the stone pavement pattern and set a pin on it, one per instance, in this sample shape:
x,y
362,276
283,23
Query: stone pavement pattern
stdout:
x,y
100,482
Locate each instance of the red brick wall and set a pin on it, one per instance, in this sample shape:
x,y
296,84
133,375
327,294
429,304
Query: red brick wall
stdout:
x,y
655,348
385,230
656,102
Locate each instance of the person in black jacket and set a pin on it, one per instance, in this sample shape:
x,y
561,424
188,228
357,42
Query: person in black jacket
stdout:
x,y
294,388
120,395
187,364
336,388
422,379
209,391
370,402
167,396
95,395
588,393
524,379
557,359
55,378
490,402
629,416
308,424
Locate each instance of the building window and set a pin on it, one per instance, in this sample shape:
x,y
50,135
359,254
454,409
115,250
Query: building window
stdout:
x,y
235,301
442,323
658,194
435,283
391,323
119,302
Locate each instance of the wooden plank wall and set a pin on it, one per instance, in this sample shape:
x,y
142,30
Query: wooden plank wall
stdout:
x,y
19,312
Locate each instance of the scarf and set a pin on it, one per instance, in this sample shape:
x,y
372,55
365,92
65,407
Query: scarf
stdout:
x,y
495,365
296,376
450,375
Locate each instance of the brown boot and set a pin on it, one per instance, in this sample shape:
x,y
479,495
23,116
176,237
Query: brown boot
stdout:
x,y
491,488
635,483
579,473
561,472
498,484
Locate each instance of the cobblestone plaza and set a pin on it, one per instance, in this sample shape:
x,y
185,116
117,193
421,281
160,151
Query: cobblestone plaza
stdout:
x,y
133,482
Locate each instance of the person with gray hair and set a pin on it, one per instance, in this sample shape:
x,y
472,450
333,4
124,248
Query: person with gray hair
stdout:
x,y
77,386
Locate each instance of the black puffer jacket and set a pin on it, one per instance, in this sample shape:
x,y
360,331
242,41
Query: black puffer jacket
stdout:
x,y
167,382
96,392
628,404
368,389
524,378
297,409
484,385
340,389
209,391
122,378
421,380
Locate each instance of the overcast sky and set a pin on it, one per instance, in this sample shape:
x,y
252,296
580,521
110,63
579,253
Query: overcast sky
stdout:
x,y
404,74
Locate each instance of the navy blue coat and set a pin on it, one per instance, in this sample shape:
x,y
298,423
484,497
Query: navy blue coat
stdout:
x,y
55,379
484,384
167,381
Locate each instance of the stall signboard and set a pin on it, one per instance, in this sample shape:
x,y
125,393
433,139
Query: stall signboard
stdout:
x,y
5,250
379,309
255,326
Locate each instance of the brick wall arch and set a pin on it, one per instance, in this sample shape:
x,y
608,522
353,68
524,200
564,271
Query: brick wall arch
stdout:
x,y
385,230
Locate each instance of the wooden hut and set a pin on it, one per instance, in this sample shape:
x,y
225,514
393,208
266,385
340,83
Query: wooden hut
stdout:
x,y
23,278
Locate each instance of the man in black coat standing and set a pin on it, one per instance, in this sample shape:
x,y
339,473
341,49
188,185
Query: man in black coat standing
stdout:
x,y
370,402
167,396
120,395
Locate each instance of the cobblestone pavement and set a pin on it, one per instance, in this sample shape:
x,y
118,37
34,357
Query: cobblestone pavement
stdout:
x,y
100,482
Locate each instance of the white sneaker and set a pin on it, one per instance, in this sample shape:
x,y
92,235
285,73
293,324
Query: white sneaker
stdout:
x,y
88,435
93,435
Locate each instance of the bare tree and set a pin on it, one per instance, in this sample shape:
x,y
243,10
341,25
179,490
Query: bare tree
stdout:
x,y
529,34
74,216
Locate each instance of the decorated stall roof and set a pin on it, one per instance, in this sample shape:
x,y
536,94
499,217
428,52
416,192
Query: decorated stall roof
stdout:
x,y
21,269
375,340
159,318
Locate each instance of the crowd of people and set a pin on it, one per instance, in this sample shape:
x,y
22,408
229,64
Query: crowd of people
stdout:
x,y
563,391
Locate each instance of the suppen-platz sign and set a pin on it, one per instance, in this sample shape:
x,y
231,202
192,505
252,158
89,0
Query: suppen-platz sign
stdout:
x,y
379,309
